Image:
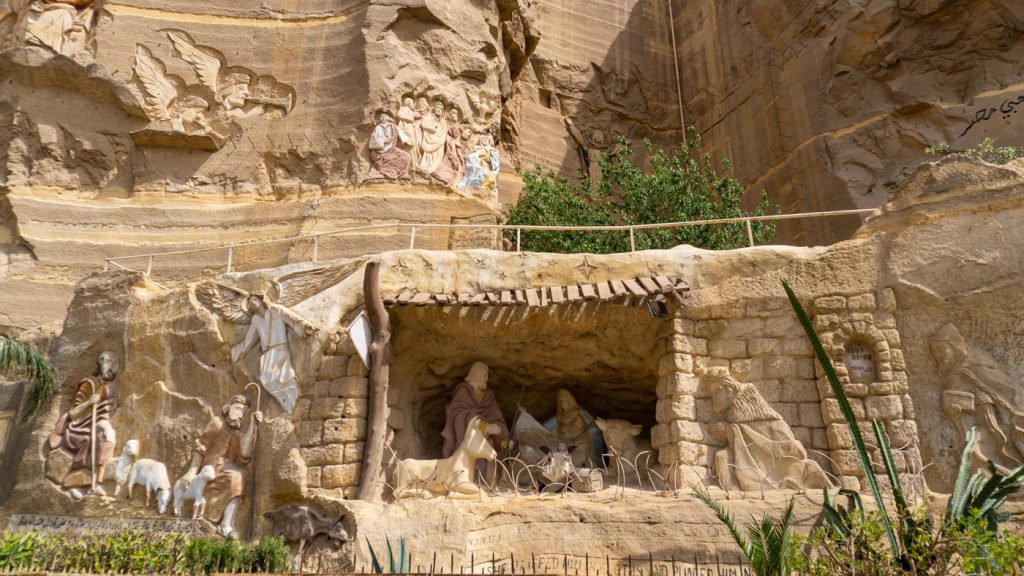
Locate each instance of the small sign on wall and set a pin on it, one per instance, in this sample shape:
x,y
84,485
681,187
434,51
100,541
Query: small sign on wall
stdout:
x,y
860,362
362,336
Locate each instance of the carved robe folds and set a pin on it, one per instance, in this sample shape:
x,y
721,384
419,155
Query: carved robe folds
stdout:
x,y
389,161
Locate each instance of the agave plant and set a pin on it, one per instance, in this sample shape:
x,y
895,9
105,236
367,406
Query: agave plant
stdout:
x,y
768,544
978,495
399,565
20,359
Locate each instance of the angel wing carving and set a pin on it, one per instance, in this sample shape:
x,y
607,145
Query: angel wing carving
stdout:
x,y
298,286
160,91
229,302
206,65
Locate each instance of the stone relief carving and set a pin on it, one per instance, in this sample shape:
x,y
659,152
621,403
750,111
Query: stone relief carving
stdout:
x,y
454,474
66,27
152,476
575,426
270,320
221,456
439,141
200,115
761,451
481,170
303,524
598,141
981,394
621,438
388,160
85,431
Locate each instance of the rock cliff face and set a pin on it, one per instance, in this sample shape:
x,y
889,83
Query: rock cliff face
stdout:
x,y
919,312
132,126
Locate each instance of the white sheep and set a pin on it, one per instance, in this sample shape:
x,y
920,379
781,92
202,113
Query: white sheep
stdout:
x,y
191,488
152,476
118,469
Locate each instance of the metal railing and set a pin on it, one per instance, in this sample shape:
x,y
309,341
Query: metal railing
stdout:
x,y
497,228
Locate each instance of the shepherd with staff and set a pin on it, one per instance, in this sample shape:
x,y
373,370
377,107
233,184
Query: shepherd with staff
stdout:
x,y
85,430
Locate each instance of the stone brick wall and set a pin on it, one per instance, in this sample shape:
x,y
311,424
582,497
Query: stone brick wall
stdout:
x,y
761,341
866,318
330,423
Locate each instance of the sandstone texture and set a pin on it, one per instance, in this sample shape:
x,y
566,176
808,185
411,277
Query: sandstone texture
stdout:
x,y
138,126
943,251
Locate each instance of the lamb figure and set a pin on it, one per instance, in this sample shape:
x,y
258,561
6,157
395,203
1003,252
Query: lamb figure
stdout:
x,y
152,476
186,489
118,469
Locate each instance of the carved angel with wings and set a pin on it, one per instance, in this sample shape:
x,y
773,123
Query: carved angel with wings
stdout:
x,y
164,99
230,89
269,316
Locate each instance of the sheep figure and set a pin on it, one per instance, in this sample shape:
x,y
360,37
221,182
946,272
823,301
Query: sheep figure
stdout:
x,y
118,469
186,489
152,476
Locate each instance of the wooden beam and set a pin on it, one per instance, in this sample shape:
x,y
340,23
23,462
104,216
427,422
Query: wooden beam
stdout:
x,y
573,291
380,359
507,297
604,291
649,284
421,298
634,288
531,297
404,297
556,295
664,283
619,288
588,292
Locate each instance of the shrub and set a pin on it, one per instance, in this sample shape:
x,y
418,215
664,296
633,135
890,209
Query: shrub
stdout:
x,y
681,185
986,150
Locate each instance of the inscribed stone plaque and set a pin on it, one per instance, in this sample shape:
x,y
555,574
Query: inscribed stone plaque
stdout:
x,y
860,362
463,238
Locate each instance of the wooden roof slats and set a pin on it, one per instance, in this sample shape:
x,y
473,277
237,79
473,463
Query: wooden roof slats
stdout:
x,y
630,290
634,288
649,284
556,295
573,293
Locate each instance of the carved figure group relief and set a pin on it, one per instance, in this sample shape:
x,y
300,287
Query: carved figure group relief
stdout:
x,y
433,139
307,527
598,141
207,108
979,393
761,450
65,27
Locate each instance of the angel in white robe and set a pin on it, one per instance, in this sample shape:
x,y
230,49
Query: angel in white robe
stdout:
x,y
270,319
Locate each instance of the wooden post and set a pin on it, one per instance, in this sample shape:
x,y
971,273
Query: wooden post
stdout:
x,y
380,358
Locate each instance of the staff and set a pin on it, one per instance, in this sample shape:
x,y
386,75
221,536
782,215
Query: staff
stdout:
x,y
252,482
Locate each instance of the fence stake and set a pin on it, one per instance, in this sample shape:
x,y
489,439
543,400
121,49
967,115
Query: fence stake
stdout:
x,y
149,266
632,241
106,265
231,255
750,232
412,239
316,247
519,239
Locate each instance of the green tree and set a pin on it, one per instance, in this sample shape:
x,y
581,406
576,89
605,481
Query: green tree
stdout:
x,y
681,185
20,359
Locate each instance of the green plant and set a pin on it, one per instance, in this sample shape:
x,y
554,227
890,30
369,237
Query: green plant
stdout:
x,y
910,534
768,545
679,186
138,552
399,565
21,359
986,150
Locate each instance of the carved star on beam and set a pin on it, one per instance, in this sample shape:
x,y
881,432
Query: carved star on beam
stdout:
x,y
480,263
586,268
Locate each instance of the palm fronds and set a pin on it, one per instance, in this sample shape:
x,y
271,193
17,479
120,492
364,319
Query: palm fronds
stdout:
x,y
768,544
20,359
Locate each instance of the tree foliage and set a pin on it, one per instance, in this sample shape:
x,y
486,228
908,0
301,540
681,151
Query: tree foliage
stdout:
x,y
680,185
20,359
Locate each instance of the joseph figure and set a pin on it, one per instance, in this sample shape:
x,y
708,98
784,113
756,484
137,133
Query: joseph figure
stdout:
x,y
473,398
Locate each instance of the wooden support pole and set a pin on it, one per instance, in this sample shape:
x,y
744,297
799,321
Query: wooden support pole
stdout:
x,y
380,358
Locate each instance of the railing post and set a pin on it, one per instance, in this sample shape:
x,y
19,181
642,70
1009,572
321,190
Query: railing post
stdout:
x,y
632,240
231,255
519,239
106,264
149,266
412,239
316,247
750,233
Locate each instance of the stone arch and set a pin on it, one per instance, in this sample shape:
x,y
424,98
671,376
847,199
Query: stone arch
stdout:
x,y
860,331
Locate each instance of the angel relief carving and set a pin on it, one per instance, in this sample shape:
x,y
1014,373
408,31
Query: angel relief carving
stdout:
x,y
272,322
200,115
